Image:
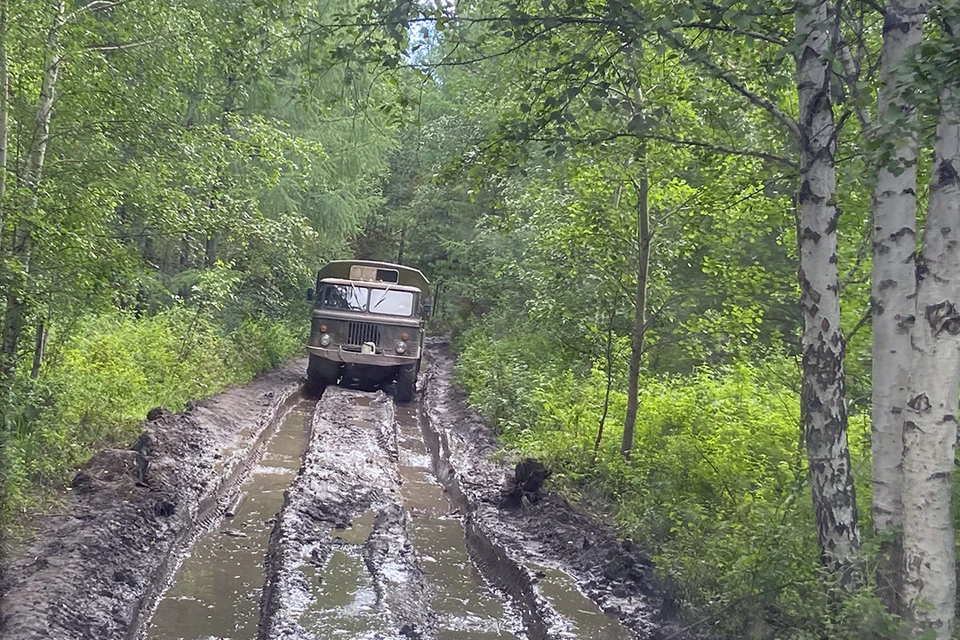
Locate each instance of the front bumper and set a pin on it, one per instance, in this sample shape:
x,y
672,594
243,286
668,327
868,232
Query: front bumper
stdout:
x,y
338,354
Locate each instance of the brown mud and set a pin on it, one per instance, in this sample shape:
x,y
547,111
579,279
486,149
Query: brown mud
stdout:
x,y
466,607
216,592
339,550
566,570
96,567
260,515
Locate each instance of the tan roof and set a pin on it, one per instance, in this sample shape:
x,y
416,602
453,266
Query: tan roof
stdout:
x,y
408,276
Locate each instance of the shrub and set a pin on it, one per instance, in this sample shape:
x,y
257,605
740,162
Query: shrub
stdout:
x,y
105,375
716,486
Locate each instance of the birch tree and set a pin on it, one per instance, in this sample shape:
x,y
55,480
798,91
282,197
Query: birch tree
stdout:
x,y
930,415
29,178
893,278
822,396
4,112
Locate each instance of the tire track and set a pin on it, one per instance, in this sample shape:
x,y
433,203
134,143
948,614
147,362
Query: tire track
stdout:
x,y
349,473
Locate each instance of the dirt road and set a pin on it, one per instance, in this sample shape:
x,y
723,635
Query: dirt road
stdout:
x,y
263,514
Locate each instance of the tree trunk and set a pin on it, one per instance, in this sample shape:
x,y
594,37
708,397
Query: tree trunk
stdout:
x,y
930,416
893,280
210,251
822,396
609,371
4,118
39,345
403,237
640,318
16,298
149,251
184,290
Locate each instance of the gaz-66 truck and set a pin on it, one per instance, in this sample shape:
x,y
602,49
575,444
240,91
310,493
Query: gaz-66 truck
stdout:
x,y
368,324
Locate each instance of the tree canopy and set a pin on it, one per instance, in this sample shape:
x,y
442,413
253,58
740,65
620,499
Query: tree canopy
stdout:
x,y
697,254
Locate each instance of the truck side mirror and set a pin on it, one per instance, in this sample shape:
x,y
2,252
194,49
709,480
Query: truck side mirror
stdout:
x,y
309,294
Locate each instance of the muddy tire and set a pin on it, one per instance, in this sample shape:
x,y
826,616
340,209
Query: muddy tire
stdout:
x,y
320,374
407,383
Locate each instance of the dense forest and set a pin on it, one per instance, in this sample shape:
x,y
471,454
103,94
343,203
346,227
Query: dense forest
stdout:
x,y
701,257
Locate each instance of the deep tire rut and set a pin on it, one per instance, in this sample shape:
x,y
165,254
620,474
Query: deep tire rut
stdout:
x,y
122,531
494,560
349,475
391,528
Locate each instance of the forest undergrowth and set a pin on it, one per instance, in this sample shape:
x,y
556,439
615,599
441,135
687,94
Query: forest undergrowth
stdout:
x,y
105,372
716,486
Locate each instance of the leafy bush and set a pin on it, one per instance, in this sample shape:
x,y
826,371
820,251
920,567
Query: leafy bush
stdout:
x,y
716,486
105,375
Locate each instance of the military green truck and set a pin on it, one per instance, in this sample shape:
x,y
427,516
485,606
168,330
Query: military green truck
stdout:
x,y
368,320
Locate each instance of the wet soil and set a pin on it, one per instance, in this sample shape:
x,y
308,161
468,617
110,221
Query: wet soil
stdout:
x,y
571,573
340,563
216,592
261,515
464,604
97,566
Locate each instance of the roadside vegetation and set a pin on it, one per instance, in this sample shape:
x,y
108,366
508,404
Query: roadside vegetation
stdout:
x,y
700,257
170,178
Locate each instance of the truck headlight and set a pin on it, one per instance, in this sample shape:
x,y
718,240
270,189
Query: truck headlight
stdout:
x,y
401,347
325,340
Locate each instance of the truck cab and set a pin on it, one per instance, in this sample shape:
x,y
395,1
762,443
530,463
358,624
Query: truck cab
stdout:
x,y
368,324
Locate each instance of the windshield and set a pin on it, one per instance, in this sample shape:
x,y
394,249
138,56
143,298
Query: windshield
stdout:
x,y
354,298
345,297
392,303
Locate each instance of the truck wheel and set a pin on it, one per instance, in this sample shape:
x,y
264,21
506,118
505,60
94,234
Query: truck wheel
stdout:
x,y
321,373
406,383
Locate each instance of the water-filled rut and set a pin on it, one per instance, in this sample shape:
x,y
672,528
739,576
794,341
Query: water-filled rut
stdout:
x,y
376,539
463,603
216,591
353,525
261,515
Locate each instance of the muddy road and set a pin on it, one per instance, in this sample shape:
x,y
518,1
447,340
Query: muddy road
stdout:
x,y
262,514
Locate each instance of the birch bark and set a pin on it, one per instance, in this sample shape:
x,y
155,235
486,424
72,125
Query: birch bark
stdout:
x,y
893,278
16,298
930,415
822,399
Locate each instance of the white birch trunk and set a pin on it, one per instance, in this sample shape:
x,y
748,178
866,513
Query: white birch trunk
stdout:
x,y
823,403
44,112
4,113
930,416
14,310
893,278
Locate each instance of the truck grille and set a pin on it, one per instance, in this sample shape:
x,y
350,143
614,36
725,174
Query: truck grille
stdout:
x,y
360,332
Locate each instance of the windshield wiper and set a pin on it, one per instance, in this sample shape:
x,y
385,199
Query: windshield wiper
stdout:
x,y
355,291
383,297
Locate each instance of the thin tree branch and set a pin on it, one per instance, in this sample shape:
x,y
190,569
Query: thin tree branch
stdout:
x,y
863,320
709,146
755,99
120,47
728,29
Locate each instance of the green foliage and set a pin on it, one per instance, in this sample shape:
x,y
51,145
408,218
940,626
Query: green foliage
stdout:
x,y
716,486
110,370
203,159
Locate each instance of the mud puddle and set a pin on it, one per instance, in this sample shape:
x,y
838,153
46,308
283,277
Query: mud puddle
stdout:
x,y
344,602
584,619
217,589
464,604
345,599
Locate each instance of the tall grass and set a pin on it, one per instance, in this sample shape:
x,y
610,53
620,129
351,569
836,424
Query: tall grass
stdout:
x,y
107,372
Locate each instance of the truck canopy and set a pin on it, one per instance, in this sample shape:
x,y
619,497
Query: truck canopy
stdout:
x,y
370,271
